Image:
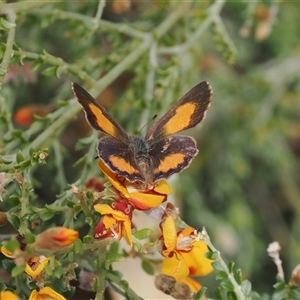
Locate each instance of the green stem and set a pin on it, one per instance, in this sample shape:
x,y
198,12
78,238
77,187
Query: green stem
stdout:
x,y
89,22
236,286
26,189
213,11
90,158
100,9
57,61
150,84
11,16
22,6
62,182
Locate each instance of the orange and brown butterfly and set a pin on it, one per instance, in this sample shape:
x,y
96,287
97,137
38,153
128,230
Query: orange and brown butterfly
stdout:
x,y
160,154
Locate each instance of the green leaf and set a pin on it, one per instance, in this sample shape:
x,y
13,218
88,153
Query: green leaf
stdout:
x,y
217,266
6,24
47,215
279,286
238,276
59,284
29,237
231,296
231,266
71,256
77,245
50,71
114,257
212,255
2,286
80,162
35,65
18,270
14,221
201,293
24,164
294,293
147,267
114,248
19,157
8,265
143,233
86,239
60,70
227,285
221,275
280,295
246,288
219,294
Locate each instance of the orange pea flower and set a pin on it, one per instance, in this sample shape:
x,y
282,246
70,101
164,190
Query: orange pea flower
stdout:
x,y
116,221
184,254
139,199
34,265
46,293
56,238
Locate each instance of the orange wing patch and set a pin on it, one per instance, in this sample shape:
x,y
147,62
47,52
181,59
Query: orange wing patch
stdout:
x,y
170,162
122,165
102,120
181,119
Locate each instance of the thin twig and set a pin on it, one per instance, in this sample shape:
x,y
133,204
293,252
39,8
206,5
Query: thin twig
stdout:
x,y
11,17
100,9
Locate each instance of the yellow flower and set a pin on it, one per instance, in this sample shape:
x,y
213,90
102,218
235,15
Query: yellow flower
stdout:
x,y
116,221
34,265
56,238
8,295
45,293
139,199
184,254
6,252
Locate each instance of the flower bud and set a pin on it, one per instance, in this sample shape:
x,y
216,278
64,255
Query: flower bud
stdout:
x,y
295,278
56,238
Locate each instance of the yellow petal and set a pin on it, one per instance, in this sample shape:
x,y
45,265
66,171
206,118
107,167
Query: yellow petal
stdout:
x,y
7,253
198,264
8,295
105,209
109,221
144,201
163,187
35,265
194,285
46,294
114,179
175,266
126,232
169,235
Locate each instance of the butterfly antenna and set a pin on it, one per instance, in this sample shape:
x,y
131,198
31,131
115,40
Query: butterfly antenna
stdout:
x,y
153,118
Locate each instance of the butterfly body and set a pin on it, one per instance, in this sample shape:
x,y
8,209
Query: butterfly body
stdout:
x,y
161,153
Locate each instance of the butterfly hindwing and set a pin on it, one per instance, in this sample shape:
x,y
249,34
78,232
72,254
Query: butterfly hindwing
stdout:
x,y
119,158
97,115
172,155
186,113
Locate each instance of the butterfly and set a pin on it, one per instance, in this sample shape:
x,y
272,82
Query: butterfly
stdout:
x,y
161,153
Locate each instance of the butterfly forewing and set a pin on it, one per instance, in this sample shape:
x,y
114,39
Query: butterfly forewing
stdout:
x,y
97,115
186,113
